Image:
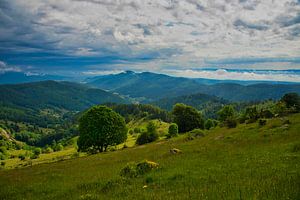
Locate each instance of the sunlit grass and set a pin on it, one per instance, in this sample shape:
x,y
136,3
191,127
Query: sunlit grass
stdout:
x,y
248,162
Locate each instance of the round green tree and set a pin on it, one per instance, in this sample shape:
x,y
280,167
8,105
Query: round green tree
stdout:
x,y
187,118
100,127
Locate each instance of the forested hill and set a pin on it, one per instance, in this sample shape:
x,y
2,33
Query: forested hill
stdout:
x,y
198,101
52,94
152,87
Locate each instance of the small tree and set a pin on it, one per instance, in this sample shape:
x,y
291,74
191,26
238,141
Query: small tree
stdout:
x,y
226,112
209,124
187,118
149,136
173,130
100,127
227,116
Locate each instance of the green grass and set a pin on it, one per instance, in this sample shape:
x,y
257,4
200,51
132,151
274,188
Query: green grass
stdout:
x,y
248,162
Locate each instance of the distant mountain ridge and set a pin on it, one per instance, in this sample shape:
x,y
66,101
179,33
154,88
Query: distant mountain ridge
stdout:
x,y
64,95
152,87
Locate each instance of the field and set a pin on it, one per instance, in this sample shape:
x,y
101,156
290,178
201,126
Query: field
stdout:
x,y
247,162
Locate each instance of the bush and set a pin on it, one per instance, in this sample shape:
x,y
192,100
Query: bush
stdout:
x,y
231,122
146,137
37,151
58,147
131,132
22,157
132,170
150,136
3,164
262,122
173,130
48,150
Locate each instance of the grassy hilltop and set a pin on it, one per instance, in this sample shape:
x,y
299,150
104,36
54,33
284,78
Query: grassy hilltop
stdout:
x,y
247,162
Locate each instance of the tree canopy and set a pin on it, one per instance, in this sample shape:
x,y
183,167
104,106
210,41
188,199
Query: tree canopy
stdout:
x,y
100,127
187,118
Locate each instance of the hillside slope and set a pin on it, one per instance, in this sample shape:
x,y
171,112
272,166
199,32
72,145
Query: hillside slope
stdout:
x,y
247,162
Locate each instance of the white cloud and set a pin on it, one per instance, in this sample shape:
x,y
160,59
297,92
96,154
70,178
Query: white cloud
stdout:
x,y
223,74
5,68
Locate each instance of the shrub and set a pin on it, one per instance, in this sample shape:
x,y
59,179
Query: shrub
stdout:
x,y
132,170
262,122
173,130
131,132
231,122
129,171
58,147
22,157
48,150
3,164
37,151
150,136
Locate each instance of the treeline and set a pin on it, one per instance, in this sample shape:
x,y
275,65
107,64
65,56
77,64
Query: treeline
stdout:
x,y
138,111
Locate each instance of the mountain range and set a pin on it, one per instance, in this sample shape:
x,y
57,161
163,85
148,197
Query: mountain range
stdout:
x,y
149,87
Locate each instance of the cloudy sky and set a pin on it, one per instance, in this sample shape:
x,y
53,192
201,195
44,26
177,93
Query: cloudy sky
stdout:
x,y
223,39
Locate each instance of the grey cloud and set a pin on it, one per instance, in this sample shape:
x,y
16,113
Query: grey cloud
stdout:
x,y
248,25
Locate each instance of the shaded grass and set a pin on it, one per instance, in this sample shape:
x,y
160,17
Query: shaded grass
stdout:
x,y
248,162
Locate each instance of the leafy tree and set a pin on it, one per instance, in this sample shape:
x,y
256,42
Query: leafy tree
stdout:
x,y
100,127
187,118
173,130
227,116
251,114
226,112
209,124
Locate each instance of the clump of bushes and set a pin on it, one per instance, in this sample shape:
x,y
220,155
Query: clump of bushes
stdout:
x,y
47,150
150,135
36,153
132,170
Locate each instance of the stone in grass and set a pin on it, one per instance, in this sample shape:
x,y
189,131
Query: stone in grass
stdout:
x,y
175,151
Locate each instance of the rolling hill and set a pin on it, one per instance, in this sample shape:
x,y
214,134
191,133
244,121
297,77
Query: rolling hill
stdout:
x,y
64,95
46,102
152,87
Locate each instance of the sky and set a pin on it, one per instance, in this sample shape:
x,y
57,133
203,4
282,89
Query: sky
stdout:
x,y
217,39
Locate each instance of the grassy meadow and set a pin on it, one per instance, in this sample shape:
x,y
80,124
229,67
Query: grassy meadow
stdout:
x,y
247,162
